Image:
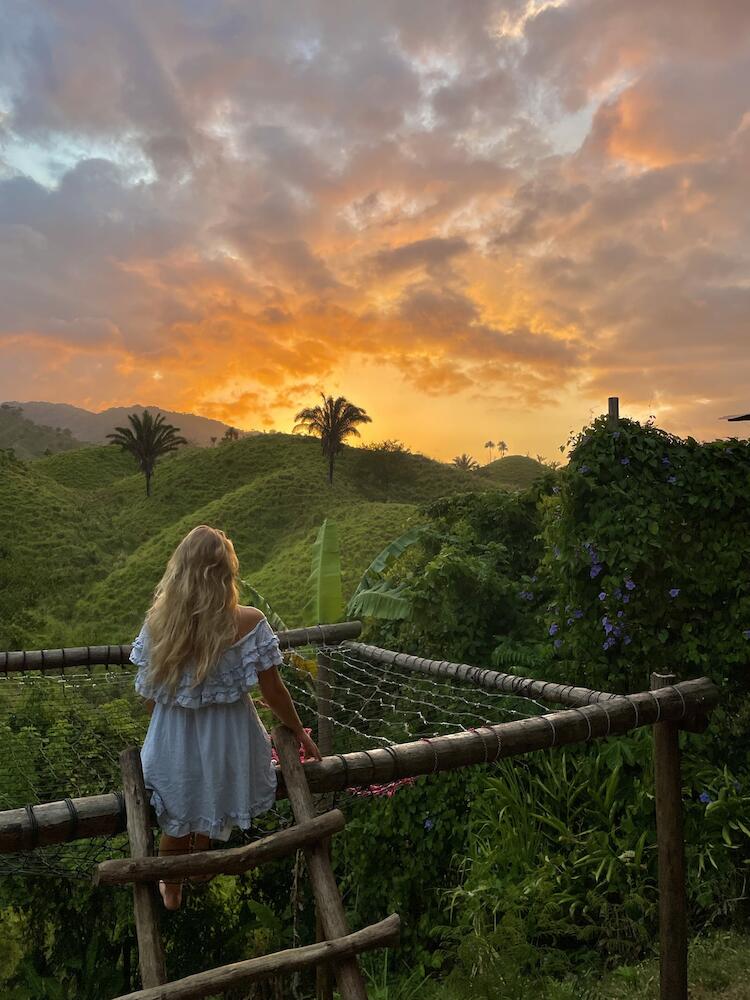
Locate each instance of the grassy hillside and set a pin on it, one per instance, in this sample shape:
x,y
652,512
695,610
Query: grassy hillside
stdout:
x,y
514,472
28,439
90,546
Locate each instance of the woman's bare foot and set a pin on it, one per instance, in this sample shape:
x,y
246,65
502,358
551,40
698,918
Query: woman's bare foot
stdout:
x,y
171,894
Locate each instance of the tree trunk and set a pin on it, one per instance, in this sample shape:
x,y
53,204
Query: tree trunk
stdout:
x,y
330,471
148,484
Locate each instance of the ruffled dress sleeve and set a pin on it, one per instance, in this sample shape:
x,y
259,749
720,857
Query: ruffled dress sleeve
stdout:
x,y
139,657
235,673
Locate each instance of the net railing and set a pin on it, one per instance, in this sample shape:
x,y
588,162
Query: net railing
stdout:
x,y
61,733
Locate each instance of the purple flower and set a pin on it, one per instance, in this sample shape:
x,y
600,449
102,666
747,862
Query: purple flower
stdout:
x,y
672,479
705,798
629,585
569,621
626,640
608,643
665,460
625,461
620,613
557,643
608,627
428,824
615,434
626,599
554,628
618,593
579,614
674,592
746,634
584,469
602,596
595,571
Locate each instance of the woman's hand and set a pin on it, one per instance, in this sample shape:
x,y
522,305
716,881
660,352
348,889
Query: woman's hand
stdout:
x,y
309,747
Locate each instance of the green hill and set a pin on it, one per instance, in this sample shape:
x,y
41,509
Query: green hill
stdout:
x,y
28,439
514,472
89,545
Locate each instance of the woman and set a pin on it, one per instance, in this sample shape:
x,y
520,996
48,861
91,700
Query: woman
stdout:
x,y
207,756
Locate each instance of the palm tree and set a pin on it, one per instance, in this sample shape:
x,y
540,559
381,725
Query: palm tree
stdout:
x,y
465,462
147,439
335,420
502,448
231,434
213,441
490,445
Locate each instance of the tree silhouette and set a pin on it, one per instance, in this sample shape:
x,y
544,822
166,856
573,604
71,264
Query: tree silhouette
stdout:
x,y
335,420
502,448
490,445
147,439
465,462
231,434
213,441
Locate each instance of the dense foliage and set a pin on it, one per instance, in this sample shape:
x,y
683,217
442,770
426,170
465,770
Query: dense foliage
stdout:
x,y
634,558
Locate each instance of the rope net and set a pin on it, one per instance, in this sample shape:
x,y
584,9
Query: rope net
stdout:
x,y
61,735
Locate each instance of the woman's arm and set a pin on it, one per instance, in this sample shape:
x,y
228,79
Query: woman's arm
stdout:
x,y
278,699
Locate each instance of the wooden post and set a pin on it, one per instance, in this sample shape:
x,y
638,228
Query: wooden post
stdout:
x,y
140,834
323,694
328,899
671,845
323,972
614,412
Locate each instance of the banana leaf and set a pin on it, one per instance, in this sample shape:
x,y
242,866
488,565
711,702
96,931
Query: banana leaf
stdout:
x,y
382,596
275,621
326,603
383,600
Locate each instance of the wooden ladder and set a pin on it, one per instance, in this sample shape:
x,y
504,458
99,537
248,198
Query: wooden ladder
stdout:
x,y
310,833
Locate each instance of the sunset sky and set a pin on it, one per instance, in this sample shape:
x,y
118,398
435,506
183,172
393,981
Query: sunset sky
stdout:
x,y
476,220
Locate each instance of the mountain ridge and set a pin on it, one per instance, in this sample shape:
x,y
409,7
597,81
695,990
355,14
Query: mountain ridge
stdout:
x,y
92,427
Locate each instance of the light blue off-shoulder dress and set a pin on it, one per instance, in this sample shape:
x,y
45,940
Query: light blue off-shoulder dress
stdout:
x,y
207,756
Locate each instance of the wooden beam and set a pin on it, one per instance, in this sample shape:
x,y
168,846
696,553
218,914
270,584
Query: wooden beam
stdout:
x,y
228,977
90,656
140,835
327,896
233,861
673,949
100,815
490,680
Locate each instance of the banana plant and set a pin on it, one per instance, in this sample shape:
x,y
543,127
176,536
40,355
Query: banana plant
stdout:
x,y
376,596
326,603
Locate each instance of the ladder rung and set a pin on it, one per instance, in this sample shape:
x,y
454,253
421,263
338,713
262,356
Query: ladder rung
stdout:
x,y
227,977
233,861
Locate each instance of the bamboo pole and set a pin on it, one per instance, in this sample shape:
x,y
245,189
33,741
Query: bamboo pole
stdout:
x,y
327,896
90,656
140,835
490,680
673,950
233,861
228,977
100,815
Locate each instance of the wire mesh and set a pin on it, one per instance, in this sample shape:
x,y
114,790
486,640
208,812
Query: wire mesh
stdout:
x,y
61,734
